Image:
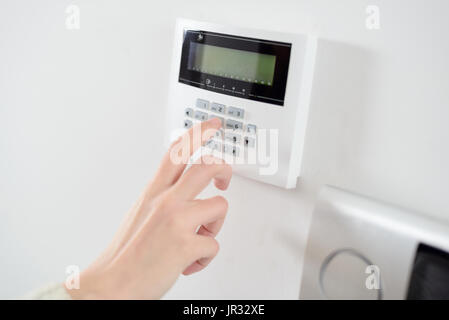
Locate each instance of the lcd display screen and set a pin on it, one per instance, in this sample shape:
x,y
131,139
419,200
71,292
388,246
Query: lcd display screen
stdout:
x,y
230,63
430,275
247,68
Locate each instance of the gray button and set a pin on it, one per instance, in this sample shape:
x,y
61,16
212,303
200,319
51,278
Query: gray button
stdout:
x,y
219,134
229,149
189,112
202,116
217,107
236,112
187,123
203,104
234,138
251,128
249,142
235,125
214,145
215,116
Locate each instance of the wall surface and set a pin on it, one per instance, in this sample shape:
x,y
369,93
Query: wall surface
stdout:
x,y
81,128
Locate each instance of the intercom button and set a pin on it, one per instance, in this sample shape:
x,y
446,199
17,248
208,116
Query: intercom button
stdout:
x,y
217,107
230,149
232,137
214,145
189,112
249,142
251,128
219,134
203,104
235,125
236,112
202,116
215,116
187,123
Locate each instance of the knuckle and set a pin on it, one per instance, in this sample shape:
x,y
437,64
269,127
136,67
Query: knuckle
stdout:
x,y
207,249
215,247
222,203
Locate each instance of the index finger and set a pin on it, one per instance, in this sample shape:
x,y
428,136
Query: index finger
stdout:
x,y
177,157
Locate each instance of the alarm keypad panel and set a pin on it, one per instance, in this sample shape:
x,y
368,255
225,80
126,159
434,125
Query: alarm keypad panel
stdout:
x,y
257,82
234,134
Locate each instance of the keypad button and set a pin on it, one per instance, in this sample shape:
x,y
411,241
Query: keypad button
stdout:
x,y
202,116
232,137
215,116
249,142
203,104
234,125
236,112
251,128
217,107
187,123
219,134
188,112
230,149
214,145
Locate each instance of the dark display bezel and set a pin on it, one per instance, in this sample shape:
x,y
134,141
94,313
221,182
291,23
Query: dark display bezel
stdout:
x,y
273,94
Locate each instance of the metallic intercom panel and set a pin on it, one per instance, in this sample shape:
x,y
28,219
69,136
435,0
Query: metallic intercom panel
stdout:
x,y
360,248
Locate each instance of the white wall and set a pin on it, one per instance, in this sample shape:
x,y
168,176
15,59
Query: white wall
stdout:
x,y
81,130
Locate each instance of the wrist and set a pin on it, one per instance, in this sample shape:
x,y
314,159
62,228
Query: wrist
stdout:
x,y
89,287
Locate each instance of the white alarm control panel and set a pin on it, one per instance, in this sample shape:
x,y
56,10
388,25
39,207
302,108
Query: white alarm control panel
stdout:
x,y
258,83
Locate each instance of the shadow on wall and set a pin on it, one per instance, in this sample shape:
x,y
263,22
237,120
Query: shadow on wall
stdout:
x,y
340,104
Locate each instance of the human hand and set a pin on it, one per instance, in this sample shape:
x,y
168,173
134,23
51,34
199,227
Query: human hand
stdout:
x,y
167,232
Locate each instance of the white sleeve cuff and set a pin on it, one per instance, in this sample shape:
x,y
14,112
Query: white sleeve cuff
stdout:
x,y
54,291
